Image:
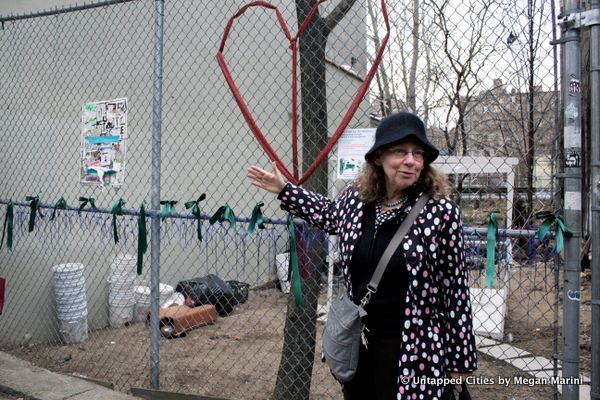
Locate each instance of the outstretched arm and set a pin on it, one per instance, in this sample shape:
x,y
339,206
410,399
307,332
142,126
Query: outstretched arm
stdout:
x,y
316,209
270,181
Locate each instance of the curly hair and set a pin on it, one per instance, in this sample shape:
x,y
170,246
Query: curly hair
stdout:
x,y
370,184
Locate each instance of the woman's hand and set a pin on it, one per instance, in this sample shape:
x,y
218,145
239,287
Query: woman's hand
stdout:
x,y
271,182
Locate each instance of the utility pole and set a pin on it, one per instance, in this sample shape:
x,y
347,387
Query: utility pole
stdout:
x,y
571,89
594,21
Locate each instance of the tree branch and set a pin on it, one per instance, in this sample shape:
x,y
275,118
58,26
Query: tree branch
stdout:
x,y
337,14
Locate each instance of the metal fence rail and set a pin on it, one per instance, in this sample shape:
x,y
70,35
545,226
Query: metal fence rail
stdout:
x,y
481,74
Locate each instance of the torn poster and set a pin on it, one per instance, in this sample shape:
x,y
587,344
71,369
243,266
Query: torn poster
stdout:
x,y
103,142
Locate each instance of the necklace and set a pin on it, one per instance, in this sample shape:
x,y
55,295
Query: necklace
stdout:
x,y
393,203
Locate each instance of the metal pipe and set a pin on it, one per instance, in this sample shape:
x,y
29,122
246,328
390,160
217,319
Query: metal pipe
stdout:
x,y
595,200
63,10
513,233
155,196
151,213
571,89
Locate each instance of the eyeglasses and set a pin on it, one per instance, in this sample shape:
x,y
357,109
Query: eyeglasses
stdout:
x,y
399,152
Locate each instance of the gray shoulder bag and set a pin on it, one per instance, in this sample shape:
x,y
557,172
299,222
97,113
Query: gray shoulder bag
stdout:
x,y
344,328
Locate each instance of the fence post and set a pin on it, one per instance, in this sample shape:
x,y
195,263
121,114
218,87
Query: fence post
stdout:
x,y
595,200
572,197
155,189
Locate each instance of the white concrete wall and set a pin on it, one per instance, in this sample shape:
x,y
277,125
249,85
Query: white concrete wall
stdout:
x,y
51,66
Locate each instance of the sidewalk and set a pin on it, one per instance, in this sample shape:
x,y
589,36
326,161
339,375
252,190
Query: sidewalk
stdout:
x,y
37,383
535,366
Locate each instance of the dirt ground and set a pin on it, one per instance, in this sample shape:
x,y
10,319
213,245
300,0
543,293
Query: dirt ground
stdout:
x,y
238,357
531,314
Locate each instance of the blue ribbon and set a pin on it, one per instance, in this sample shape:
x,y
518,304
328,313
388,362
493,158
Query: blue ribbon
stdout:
x,y
561,230
223,214
83,201
8,226
295,280
117,209
195,206
168,208
492,233
60,204
257,218
34,205
142,238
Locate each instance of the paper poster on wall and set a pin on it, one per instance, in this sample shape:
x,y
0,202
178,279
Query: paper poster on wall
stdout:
x,y
351,149
103,142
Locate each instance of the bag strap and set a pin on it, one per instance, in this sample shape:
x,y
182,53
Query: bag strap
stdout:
x,y
392,246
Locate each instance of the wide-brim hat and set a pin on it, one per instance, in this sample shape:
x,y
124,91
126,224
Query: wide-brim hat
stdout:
x,y
400,126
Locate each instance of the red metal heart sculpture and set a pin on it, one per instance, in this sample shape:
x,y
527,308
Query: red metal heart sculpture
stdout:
x,y
295,178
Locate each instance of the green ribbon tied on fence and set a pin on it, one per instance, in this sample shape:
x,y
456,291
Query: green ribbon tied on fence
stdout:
x,y
84,201
34,207
195,206
117,209
168,208
142,238
492,233
224,213
294,270
561,229
8,226
60,204
257,218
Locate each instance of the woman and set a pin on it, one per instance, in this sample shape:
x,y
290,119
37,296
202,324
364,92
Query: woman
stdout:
x,y
419,323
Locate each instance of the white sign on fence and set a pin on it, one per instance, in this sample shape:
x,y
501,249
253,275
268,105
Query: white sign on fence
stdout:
x,y
351,149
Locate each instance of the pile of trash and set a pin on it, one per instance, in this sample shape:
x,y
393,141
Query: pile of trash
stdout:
x,y
197,302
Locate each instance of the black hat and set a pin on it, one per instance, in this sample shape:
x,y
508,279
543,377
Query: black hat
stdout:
x,y
400,126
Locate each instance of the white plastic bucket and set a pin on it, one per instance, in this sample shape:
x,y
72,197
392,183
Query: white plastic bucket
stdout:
x,y
71,302
120,288
68,281
142,299
282,262
121,299
120,304
120,314
75,331
142,303
72,312
165,292
68,296
174,299
123,267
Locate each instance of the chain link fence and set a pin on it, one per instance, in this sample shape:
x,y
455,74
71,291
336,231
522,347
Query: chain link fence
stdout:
x,y
481,73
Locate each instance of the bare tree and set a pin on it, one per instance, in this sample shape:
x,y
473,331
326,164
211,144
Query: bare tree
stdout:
x,y
524,114
383,82
464,53
411,95
404,75
534,105
295,368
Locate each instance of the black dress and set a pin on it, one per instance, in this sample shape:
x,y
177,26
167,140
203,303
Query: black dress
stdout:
x,y
377,371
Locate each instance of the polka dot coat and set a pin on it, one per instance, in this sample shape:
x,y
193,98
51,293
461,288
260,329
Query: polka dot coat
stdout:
x,y
438,329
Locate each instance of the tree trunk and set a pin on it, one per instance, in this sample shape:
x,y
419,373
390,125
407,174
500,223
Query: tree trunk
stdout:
x,y
411,96
530,155
295,368
382,78
298,353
